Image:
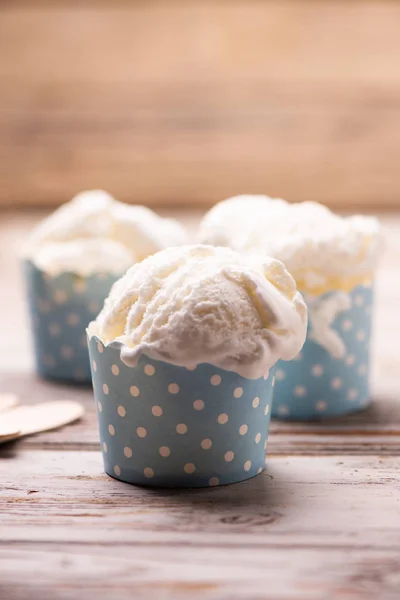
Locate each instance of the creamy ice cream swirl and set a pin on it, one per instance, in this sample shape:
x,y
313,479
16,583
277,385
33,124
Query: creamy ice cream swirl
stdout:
x,y
95,233
323,251
201,304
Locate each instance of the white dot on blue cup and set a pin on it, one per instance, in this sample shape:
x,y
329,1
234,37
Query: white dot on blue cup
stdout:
x,y
189,468
94,365
149,473
213,481
247,465
104,447
198,404
350,360
100,348
299,356
149,370
141,432
99,406
347,325
173,388
111,429
229,456
317,370
134,391
361,335
115,370
67,352
266,411
206,444
353,393
238,392
105,388
54,329
362,369
256,402
128,452
215,380
60,297
259,470
321,405
258,438
300,391
117,470
73,319
164,451
359,300
222,418
43,306
336,383
280,375
243,429
157,411
121,411
181,428
79,286
283,409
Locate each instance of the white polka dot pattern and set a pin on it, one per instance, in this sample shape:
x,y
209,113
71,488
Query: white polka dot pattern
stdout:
x,y
165,425
59,310
319,385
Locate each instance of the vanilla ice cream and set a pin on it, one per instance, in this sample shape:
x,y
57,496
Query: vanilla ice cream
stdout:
x,y
201,304
325,253
322,251
95,233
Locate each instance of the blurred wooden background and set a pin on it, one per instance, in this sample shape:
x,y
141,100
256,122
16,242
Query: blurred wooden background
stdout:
x,y
191,101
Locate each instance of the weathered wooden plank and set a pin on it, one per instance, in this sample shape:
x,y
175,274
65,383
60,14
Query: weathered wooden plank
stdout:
x,y
196,101
286,40
347,502
343,154
47,572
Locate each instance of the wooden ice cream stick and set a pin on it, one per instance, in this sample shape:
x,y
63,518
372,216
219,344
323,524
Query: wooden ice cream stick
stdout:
x,y
27,420
7,401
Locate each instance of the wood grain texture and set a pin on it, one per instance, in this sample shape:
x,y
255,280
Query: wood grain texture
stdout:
x,y
173,102
304,529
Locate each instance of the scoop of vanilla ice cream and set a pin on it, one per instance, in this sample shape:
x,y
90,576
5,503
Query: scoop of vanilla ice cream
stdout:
x,y
318,247
121,233
202,304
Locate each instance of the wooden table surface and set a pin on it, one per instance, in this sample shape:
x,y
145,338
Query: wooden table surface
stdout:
x,y
322,522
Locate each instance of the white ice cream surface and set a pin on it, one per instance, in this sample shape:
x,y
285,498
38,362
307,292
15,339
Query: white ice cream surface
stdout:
x,y
201,304
95,233
317,246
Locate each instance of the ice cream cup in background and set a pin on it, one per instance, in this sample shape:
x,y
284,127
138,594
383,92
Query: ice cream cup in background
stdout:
x,y
167,426
330,377
60,308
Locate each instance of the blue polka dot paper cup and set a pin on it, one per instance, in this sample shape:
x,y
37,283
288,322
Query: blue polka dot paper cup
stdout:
x,y
60,309
167,426
317,385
